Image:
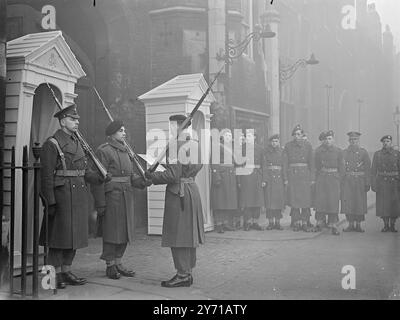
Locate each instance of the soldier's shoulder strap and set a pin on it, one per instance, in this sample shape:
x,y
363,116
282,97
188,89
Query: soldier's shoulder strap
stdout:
x,y
60,152
103,145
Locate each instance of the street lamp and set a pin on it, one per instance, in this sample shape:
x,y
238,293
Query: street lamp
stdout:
x,y
328,93
360,102
236,50
286,72
396,119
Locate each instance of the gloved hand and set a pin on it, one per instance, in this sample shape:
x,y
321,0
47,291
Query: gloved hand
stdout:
x,y
148,175
108,178
146,183
263,184
51,210
101,211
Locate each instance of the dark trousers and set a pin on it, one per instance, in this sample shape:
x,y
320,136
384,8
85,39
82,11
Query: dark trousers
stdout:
x,y
60,257
112,251
184,259
252,212
355,218
332,217
302,214
274,213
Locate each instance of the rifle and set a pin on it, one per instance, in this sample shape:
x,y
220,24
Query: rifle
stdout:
x,y
131,153
154,166
83,142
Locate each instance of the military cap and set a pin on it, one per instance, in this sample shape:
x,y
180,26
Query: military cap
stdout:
x,y
296,128
353,134
387,137
274,137
322,136
179,118
113,127
329,133
69,111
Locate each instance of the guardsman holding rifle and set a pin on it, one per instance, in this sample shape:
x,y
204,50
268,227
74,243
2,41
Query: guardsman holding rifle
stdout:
x,y
183,226
385,181
114,200
64,177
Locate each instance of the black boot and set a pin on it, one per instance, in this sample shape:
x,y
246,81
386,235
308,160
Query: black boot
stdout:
x,y
70,278
271,225
349,228
335,231
124,271
385,225
278,225
112,272
60,284
219,228
178,281
358,227
392,224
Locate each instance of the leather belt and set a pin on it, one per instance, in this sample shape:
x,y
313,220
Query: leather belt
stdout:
x,y
121,179
329,170
388,174
70,173
354,173
252,166
184,181
299,164
274,167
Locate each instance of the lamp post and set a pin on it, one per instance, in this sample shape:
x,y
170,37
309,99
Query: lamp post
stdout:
x,y
360,102
288,71
396,119
328,93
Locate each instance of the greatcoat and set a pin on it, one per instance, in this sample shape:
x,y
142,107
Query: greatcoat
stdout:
x,y
385,181
68,228
329,167
224,184
251,194
298,170
356,181
273,177
116,196
181,227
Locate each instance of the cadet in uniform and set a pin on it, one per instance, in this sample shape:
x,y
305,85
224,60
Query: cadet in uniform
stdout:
x,y
329,167
224,186
183,226
114,200
251,195
298,174
64,176
273,185
385,181
356,183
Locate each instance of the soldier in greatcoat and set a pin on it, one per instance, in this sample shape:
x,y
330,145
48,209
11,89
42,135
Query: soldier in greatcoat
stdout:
x,y
251,195
385,181
298,174
356,183
273,184
114,200
224,185
329,167
183,225
64,176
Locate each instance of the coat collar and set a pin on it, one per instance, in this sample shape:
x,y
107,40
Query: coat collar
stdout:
x,y
116,145
69,144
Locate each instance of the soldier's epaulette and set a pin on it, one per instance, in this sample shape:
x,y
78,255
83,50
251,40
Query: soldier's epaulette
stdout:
x,y
103,145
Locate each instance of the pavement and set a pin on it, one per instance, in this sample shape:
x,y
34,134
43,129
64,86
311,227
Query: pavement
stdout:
x,y
250,265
